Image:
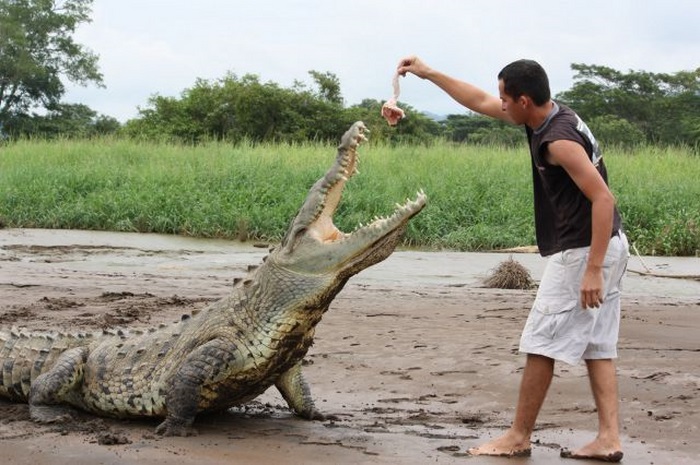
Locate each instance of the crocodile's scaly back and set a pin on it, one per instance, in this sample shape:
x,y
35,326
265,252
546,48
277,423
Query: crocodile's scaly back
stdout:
x,y
231,351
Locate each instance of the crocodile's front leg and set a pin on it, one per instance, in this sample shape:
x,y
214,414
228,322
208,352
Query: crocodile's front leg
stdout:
x,y
59,385
202,366
295,391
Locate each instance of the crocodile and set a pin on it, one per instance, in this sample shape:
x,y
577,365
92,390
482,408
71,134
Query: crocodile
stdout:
x,y
225,354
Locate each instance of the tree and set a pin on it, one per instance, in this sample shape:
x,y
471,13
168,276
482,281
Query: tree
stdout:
x,y
613,130
37,52
415,128
479,129
62,120
459,128
234,108
328,86
664,107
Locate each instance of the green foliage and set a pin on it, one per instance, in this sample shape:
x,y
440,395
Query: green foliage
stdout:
x,y
62,121
37,50
416,128
328,87
235,109
478,129
665,108
208,190
659,198
623,109
503,135
612,130
480,197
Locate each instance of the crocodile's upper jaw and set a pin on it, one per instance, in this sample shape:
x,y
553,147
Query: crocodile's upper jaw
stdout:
x,y
313,244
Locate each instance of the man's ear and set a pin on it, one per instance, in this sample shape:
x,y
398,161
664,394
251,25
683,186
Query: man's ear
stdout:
x,y
524,101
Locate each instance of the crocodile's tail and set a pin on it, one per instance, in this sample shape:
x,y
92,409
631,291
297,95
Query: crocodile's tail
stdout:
x,y
25,355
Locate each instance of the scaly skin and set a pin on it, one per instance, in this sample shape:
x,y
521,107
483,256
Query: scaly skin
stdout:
x,y
228,353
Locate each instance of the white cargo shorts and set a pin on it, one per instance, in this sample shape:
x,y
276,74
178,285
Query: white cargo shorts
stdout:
x,y
558,327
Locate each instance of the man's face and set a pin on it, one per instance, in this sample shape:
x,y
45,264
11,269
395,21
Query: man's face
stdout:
x,y
514,108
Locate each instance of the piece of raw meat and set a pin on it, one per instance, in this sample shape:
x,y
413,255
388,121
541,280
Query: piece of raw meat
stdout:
x,y
390,111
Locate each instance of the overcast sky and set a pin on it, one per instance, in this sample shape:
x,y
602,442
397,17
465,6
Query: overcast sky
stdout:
x,y
161,47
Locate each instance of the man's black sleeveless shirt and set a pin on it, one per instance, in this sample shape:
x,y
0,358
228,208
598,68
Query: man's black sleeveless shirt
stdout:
x,y
562,212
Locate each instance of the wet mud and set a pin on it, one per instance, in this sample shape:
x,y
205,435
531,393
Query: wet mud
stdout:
x,y
415,361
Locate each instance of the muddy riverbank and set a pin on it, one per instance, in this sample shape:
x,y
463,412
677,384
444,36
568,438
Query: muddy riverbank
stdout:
x,y
415,359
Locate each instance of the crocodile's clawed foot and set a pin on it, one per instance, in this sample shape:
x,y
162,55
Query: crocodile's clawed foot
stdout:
x,y
50,414
171,427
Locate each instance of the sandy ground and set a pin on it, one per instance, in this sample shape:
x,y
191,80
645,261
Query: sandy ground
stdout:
x,y
416,359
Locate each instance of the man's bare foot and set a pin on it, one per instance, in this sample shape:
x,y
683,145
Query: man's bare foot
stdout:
x,y
600,450
508,445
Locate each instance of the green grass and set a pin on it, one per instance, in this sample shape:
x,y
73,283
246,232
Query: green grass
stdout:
x,y
479,197
658,193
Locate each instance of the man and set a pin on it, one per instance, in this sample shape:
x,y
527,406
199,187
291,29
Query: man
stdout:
x,y
576,312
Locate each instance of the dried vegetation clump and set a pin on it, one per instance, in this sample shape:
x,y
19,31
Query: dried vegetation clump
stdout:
x,y
510,274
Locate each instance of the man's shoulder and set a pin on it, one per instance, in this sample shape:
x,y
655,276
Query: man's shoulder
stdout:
x,y
565,113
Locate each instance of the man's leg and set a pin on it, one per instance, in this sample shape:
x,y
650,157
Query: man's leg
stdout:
x,y
537,377
604,386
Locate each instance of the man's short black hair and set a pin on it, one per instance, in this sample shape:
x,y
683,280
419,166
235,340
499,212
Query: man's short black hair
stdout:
x,y
526,77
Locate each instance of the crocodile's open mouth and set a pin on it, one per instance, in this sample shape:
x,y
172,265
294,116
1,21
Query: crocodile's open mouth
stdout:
x,y
323,228
313,225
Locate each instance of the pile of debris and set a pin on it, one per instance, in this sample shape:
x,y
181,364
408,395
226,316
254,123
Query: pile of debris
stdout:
x,y
510,275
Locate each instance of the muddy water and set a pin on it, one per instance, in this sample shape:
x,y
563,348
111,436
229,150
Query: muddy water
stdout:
x,y
174,254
